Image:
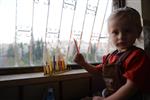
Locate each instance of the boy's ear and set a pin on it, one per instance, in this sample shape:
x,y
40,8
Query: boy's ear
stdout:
x,y
139,30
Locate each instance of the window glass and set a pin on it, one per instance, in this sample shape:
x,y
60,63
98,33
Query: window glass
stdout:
x,y
34,30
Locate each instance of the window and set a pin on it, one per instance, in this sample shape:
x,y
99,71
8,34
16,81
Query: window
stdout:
x,y
32,30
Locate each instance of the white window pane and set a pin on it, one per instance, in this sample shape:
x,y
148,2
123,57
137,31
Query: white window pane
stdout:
x,y
87,31
66,23
54,17
24,13
7,32
30,27
39,19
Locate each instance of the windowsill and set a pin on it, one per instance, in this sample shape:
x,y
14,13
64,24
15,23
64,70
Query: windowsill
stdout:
x,y
31,78
32,69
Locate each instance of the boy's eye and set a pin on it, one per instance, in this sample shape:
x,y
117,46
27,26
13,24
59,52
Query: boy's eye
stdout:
x,y
127,30
114,32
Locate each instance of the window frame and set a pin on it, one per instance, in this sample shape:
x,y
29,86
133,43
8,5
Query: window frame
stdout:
x,y
32,69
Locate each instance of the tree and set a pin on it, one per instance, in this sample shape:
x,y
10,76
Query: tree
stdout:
x,y
10,56
38,52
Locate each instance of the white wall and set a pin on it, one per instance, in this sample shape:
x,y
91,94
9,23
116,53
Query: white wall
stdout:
x,y
135,4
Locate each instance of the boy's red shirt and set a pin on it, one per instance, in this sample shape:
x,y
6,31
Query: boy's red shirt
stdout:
x,y
137,68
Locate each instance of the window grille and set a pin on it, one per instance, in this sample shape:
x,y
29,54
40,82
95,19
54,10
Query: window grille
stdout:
x,y
33,29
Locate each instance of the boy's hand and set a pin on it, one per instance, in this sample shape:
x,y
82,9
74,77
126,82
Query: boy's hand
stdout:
x,y
87,98
98,98
79,59
76,45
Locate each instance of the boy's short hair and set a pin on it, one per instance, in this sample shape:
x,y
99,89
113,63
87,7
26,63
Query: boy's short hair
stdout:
x,y
131,14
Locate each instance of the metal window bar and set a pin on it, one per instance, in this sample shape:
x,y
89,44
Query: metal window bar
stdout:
x,y
23,30
83,24
68,48
64,2
102,23
75,12
93,25
15,47
60,20
47,32
45,46
32,38
73,5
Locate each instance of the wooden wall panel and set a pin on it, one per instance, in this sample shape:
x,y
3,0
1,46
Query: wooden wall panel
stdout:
x,y
9,93
40,91
75,89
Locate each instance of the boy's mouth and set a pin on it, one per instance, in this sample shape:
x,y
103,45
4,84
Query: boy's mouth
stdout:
x,y
122,44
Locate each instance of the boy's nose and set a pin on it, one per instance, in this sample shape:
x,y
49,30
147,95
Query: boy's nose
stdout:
x,y
121,36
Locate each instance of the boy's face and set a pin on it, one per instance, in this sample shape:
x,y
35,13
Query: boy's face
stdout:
x,y
122,32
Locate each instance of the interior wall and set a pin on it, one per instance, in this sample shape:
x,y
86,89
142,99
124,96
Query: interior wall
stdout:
x,y
143,7
136,4
146,24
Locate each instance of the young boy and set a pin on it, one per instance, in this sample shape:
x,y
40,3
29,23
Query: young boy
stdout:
x,y
124,27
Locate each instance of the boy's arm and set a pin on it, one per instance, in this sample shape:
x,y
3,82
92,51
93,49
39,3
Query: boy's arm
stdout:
x,y
92,69
125,92
79,59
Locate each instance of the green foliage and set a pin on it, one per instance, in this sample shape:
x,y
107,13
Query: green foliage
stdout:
x,y
10,51
38,51
37,54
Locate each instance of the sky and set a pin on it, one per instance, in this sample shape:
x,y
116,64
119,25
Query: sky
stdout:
x,y
24,19
6,20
